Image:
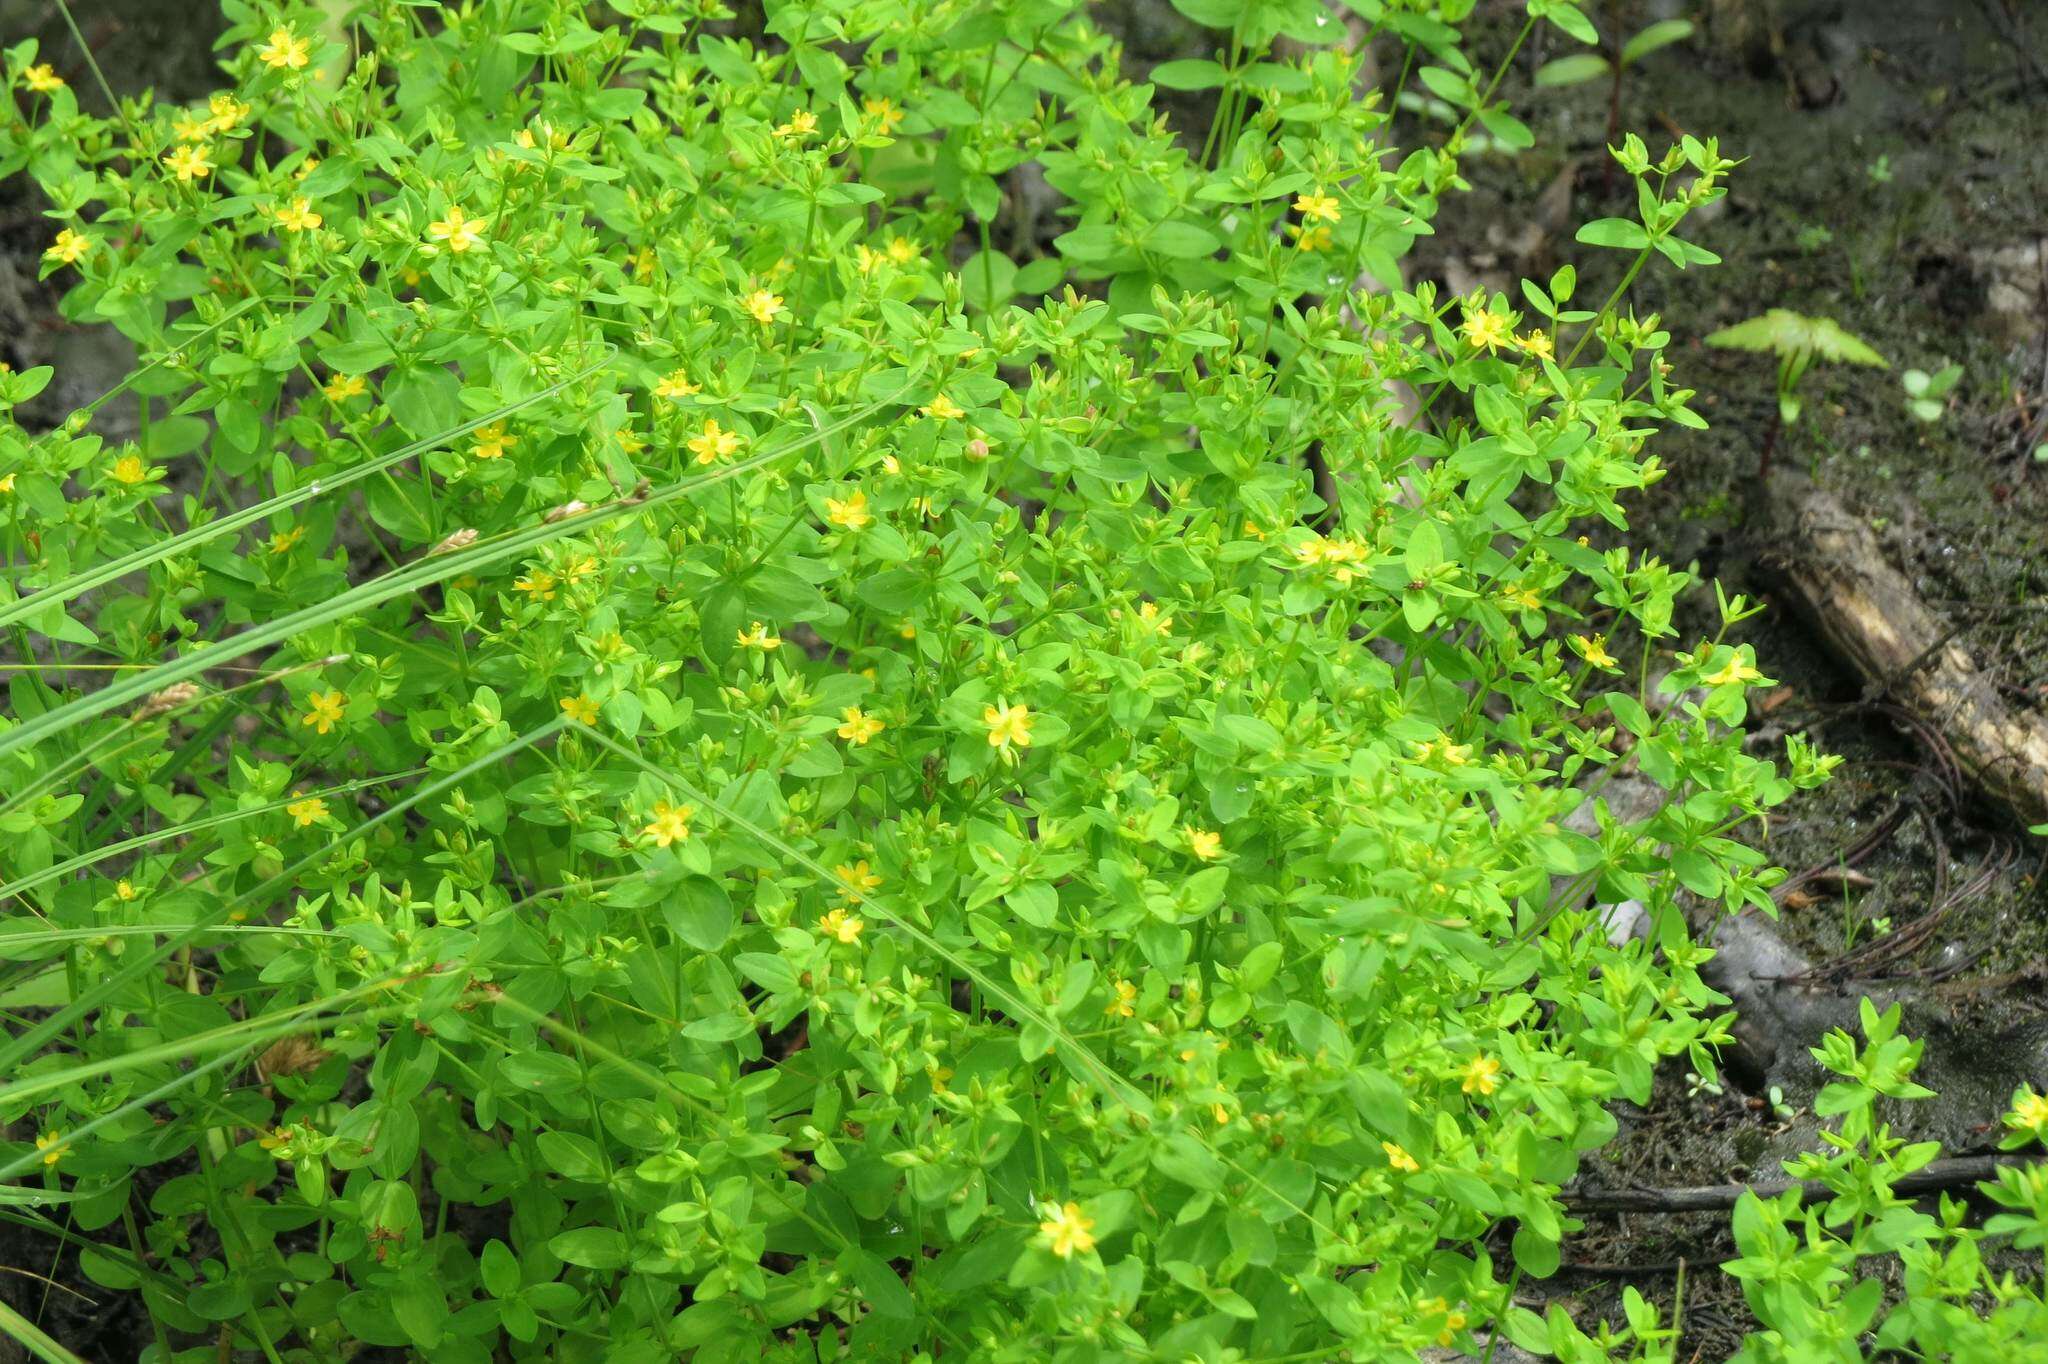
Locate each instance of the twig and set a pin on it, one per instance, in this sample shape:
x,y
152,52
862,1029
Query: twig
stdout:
x,y
1932,1178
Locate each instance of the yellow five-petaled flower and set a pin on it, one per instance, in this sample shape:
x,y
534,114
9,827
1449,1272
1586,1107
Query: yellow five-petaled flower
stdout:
x,y
1205,844
342,387
69,247
714,443
52,1147
285,51
2030,1112
1480,1076
298,216
1318,207
581,709
1007,725
1593,648
855,880
324,710
1123,1000
1399,1158
460,232
1732,673
188,163
130,469
669,823
1487,330
42,79
850,512
492,442
764,307
310,810
840,925
759,637
674,384
1067,1230
858,726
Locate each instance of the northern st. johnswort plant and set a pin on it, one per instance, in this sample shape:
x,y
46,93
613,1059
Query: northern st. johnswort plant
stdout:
x,y
804,687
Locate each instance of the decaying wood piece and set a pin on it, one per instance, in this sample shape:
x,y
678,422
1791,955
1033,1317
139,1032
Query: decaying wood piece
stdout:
x,y
1870,614
1948,1173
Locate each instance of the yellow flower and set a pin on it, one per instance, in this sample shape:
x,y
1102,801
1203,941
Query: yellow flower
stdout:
x,y
1481,1075
311,810
581,709
859,726
630,442
1312,236
7,482
714,442
42,79
2029,1112
1454,1321
763,306
850,513
867,259
188,163
228,112
841,925
298,216
1537,343
1318,207
902,250
538,584
1399,1158
492,442
342,387
1149,617
670,823
674,384
1732,673
1454,755
461,233
192,128
1007,725
124,889
1068,1231
1487,330
69,247
883,111
1522,598
757,637
51,1147
324,710
1593,648
943,409
1123,1000
1205,844
130,469
306,168
283,540
802,123
285,52
856,881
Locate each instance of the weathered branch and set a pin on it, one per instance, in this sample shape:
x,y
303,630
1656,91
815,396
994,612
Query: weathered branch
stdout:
x,y
1870,614
1931,1178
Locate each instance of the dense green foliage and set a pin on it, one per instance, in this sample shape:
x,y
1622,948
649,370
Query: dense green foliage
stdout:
x,y
716,746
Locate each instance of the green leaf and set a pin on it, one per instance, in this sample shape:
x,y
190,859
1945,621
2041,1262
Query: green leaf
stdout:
x,y
592,1247
1623,234
1575,69
1658,35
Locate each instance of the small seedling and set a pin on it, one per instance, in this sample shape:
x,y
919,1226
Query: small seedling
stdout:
x,y
1582,67
1927,394
1880,171
1797,340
